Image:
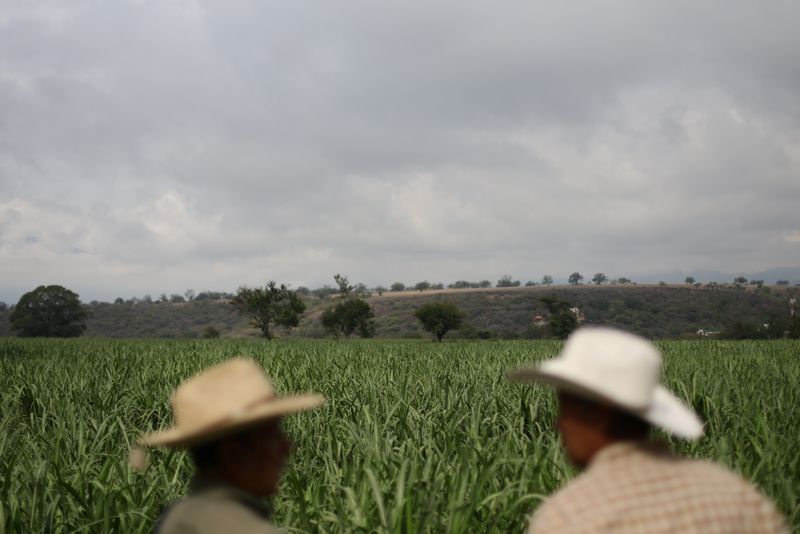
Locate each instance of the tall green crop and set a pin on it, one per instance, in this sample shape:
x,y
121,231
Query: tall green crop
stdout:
x,y
415,437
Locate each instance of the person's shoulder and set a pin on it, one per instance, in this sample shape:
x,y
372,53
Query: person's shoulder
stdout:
x,y
715,474
722,494
559,511
549,517
725,481
605,493
207,513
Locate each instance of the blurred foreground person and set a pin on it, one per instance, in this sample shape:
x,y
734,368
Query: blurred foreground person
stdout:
x,y
228,417
609,398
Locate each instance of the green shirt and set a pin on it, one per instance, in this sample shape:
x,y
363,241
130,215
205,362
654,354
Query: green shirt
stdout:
x,y
214,507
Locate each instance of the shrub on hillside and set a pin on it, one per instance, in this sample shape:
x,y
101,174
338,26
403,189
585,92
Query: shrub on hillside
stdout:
x,y
349,316
438,318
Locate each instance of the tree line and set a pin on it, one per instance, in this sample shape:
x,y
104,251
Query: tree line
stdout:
x,y
361,290
54,311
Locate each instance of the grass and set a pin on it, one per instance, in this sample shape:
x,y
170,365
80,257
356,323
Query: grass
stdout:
x,y
415,437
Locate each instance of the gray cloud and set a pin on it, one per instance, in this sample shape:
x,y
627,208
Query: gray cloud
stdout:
x,y
154,146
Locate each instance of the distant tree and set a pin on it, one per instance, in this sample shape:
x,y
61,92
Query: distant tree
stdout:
x,y
49,311
324,291
530,283
507,281
484,284
361,290
422,286
189,294
380,290
460,284
740,281
562,324
575,278
343,284
303,291
147,298
163,298
349,316
3,306
561,321
793,327
599,278
547,280
689,280
743,330
119,300
210,332
623,280
775,327
439,317
758,283
269,304
782,283
176,299
210,295
398,286
437,285
662,283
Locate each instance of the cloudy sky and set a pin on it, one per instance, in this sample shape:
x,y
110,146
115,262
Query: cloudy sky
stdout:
x,y
151,146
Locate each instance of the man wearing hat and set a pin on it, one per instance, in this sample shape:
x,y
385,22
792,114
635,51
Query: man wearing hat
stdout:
x,y
609,398
228,417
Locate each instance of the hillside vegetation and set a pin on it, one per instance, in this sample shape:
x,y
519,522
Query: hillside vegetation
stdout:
x,y
653,311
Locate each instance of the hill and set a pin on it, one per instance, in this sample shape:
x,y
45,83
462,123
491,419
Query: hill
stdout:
x,y
652,310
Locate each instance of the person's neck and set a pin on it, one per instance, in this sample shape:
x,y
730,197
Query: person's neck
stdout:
x,y
611,441
213,476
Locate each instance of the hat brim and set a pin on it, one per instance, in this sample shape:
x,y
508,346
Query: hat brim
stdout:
x,y
665,410
181,438
671,414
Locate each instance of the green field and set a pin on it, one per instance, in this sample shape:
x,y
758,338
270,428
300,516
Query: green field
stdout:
x,y
416,436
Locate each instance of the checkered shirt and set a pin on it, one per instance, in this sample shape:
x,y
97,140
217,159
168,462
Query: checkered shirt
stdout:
x,y
642,487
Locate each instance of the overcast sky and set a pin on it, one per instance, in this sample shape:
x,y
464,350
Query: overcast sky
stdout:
x,y
155,146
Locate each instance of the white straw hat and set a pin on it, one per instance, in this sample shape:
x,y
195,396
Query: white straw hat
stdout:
x,y
620,369
223,399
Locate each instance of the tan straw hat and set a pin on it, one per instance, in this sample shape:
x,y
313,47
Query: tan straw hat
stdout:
x,y
223,399
620,369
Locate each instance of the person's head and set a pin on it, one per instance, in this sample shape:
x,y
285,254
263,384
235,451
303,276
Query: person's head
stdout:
x,y
229,418
587,426
608,387
251,460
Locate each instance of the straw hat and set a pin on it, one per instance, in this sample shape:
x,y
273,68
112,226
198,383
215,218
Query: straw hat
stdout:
x,y
223,399
620,369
